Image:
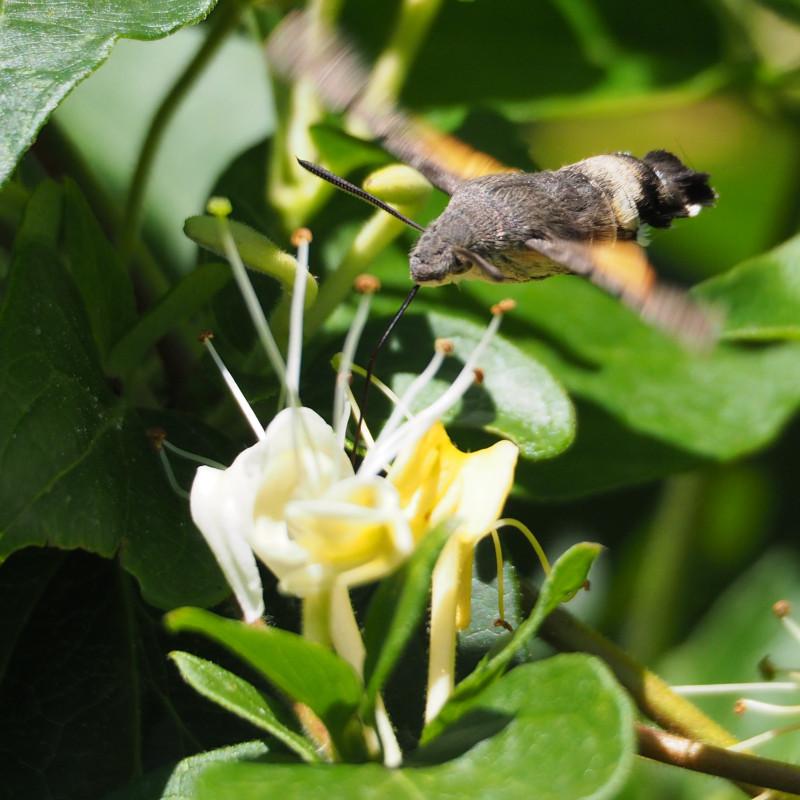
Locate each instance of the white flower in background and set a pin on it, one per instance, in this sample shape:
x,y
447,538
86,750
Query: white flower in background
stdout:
x,y
294,500
791,684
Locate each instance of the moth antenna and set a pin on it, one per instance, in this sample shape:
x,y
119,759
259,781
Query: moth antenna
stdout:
x,y
489,269
356,191
374,357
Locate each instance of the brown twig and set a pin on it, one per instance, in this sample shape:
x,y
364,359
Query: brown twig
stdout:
x,y
693,739
706,758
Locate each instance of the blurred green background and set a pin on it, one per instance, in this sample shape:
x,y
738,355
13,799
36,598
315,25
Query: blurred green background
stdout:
x,y
695,559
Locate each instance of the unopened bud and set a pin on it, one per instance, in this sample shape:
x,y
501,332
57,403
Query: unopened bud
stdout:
x,y
399,184
479,375
739,707
205,336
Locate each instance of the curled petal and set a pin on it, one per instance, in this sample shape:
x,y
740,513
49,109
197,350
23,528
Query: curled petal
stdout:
x,y
222,521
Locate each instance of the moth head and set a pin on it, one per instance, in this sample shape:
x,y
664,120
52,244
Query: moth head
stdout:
x,y
436,261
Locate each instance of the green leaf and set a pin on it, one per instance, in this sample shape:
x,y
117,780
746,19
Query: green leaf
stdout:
x,y
761,296
343,153
228,108
102,281
49,47
518,398
181,782
564,580
188,296
308,672
616,61
395,611
560,729
609,358
257,252
241,698
78,470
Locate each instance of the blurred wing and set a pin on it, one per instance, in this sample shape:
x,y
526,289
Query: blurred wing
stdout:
x,y
622,269
299,49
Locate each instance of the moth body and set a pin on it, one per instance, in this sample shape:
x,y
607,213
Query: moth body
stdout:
x,y
600,199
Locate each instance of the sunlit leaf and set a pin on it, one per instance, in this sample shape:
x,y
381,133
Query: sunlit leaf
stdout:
x,y
48,48
557,729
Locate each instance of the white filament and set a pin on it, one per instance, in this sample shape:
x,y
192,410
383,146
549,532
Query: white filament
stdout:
x,y
237,393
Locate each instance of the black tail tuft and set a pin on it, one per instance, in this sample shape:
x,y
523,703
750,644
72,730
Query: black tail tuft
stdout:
x,y
682,192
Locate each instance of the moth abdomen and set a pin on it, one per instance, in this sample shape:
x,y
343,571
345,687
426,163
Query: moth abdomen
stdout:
x,y
653,190
679,190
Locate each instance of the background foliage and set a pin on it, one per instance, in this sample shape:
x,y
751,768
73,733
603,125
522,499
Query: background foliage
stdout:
x,y
682,465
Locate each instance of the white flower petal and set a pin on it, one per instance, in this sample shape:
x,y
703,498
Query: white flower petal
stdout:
x,y
220,521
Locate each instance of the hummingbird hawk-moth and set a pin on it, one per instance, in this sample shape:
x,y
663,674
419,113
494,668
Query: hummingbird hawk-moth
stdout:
x,y
504,225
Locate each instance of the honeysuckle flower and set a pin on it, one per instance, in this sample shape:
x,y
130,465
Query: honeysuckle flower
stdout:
x,y
782,610
294,501
437,482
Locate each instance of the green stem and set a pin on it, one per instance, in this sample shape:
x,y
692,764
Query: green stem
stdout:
x,y
378,232
668,541
390,70
291,189
316,618
225,20
62,158
652,695
594,39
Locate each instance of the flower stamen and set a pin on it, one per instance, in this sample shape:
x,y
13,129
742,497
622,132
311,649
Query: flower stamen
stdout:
x,y
763,738
443,348
366,435
709,689
386,447
300,239
238,395
501,584
366,285
768,709
246,288
158,437
529,535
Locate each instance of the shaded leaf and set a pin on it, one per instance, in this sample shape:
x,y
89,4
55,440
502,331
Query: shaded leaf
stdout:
x,y
78,469
241,698
102,281
719,406
518,397
308,672
68,707
48,48
560,729
180,782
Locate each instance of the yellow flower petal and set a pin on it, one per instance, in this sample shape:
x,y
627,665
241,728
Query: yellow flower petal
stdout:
x,y
437,481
